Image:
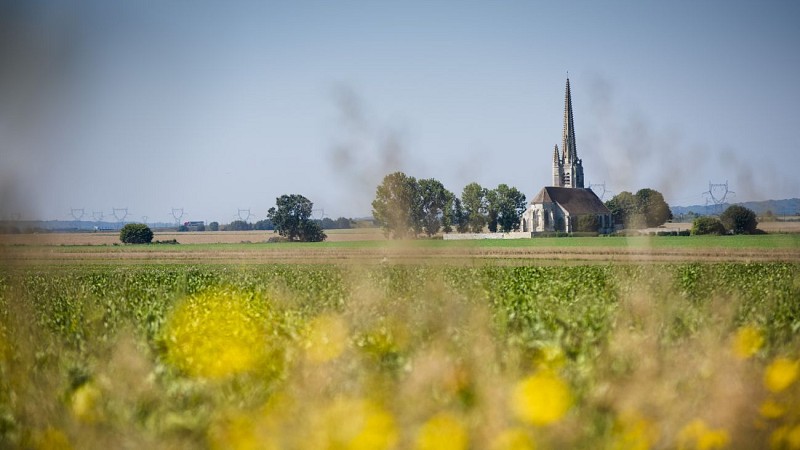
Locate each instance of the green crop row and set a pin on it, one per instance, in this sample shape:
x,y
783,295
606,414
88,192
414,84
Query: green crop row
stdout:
x,y
398,356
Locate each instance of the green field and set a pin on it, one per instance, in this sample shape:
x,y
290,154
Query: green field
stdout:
x,y
687,355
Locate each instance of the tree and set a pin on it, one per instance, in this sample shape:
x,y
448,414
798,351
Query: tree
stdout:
x,y
264,225
651,204
432,200
290,217
622,207
136,233
646,208
739,220
454,215
238,225
707,225
492,210
587,223
213,226
396,205
473,199
506,205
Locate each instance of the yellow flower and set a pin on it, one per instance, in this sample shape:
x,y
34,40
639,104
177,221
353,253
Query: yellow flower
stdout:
x,y
442,432
353,424
541,399
780,374
549,357
747,342
216,334
513,439
85,403
697,435
633,432
785,437
327,338
772,409
53,439
240,432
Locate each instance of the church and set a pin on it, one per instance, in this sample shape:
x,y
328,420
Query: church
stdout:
x,y
566,204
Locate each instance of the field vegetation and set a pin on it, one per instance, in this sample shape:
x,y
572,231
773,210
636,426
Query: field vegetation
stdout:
x,y
389,355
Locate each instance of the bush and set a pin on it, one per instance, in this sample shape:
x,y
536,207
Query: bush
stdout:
x,y
707,225
587,223
739,220
213,226
136,233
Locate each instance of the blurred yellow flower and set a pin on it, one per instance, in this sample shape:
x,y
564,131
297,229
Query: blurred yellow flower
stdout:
x,y
541,399
240,432
747,342
696,435
327,338
216,334
772,409
549,357
785,438
84,403
353,424
633,432
442,432
53,439
780,374
513,439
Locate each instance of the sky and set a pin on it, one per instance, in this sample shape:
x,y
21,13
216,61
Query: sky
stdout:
x,y
216,107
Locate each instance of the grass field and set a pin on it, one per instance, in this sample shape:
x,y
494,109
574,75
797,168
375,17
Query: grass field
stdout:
x,y
647,342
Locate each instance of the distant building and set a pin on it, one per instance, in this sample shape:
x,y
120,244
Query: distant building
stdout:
x,y
560,207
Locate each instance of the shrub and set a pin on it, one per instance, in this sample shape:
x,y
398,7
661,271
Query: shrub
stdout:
x,y
707,225
587,223
136,233
739,220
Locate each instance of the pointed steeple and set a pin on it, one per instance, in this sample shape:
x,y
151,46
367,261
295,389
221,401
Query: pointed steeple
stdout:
x,y
568,136
556,156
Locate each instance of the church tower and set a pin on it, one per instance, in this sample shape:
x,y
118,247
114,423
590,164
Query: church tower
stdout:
x,y
567,167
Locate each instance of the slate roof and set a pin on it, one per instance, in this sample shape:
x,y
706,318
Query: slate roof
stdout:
x,y
575,201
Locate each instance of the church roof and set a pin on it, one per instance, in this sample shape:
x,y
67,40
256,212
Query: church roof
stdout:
x,y
575,201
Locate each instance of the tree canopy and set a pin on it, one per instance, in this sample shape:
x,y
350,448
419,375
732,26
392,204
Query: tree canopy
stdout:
x,y
291,219
473,199
739,220
396,205
646,208
136,233
507,205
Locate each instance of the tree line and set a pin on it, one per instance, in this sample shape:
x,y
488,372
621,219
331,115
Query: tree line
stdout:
x,y
407,207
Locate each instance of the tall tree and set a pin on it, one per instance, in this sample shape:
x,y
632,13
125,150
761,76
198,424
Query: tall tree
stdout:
x,y
396,205
652,206
739,220
510,206
291,219
492,209
432,201
473,199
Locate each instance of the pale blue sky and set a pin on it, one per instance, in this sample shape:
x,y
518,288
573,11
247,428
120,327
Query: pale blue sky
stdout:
x,y
231,104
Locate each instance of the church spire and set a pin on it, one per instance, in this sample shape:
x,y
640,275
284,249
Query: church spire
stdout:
x,y
568,136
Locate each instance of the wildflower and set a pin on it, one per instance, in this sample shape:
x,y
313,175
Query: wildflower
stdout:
x,y
697,435
53,439
215,334
747,342
772,409
239,433
780,374
442,432
513,439
327,338
549,357
354,424
785,437
633,432
84,403
541,399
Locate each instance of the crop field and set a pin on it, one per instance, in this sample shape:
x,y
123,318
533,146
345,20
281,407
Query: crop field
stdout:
x,y
341,355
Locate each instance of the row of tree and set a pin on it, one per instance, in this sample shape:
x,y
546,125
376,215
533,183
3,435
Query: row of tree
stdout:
x,y
407,207
267,225
645,209
735,219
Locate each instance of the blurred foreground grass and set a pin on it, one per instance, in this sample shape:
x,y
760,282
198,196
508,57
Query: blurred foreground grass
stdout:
x,y
401,356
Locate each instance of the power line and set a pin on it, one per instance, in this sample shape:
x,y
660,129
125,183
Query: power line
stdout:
x,y
717,195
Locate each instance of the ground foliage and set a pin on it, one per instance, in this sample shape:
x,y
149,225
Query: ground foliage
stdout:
x,y
395,356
